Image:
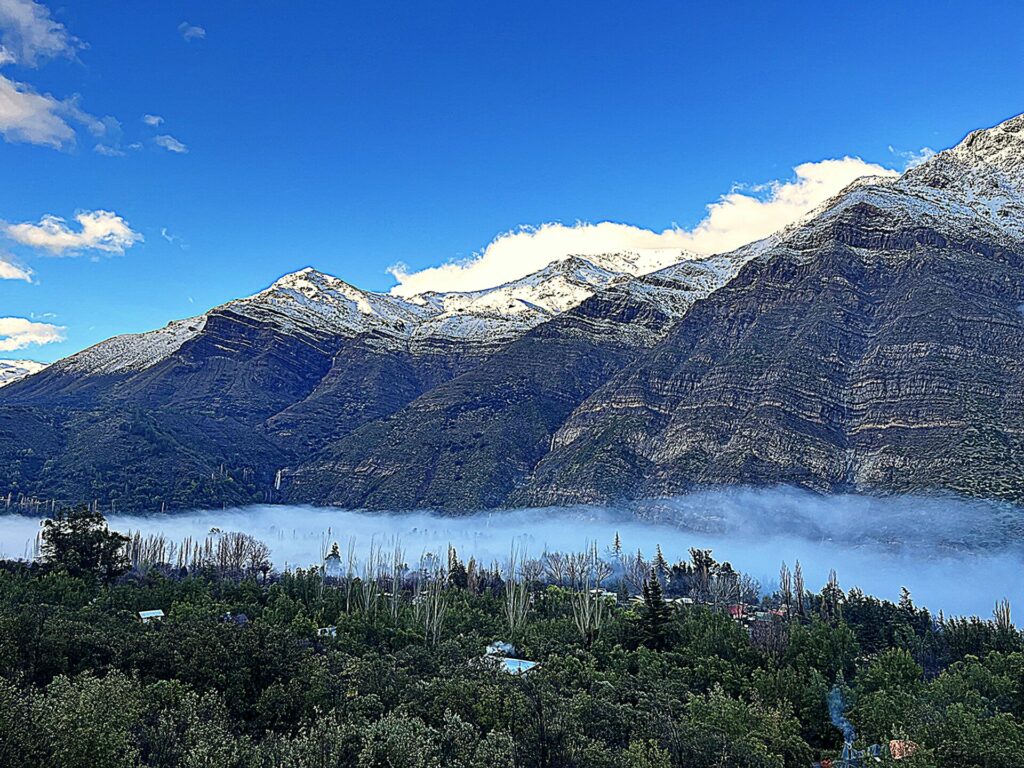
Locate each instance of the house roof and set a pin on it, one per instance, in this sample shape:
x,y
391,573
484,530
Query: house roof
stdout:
x,y
515,666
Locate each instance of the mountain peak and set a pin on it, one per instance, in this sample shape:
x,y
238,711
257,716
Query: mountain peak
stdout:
x,y
307,277
640,261
995,143
574,268
974,189
986,159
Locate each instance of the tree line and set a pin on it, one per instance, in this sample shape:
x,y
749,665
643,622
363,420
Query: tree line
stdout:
x,y
379,662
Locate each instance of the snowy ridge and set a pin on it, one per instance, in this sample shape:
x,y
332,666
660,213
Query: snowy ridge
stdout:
x,y
641,262
975,189
13,370
674,289
132,351
309,300
687,282
500,314
311,303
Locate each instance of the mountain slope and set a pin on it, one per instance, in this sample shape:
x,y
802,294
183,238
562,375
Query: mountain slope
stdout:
x,y
208,409
871,346
470,442
874,348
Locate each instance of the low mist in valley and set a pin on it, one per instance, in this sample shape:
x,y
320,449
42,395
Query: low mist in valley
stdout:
x,y
956,555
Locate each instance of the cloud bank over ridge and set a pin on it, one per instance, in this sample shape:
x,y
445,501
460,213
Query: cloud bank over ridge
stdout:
x,y
741,216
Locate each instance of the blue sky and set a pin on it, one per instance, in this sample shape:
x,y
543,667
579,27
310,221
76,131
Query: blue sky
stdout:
x,y
354,136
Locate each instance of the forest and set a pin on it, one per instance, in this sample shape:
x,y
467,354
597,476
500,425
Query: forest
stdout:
x,y
387,661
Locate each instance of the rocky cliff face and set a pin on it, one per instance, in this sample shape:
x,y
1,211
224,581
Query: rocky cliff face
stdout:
x,y
872,346
875,348
471,441
870,369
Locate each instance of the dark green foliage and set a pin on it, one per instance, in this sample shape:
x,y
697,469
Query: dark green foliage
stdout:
x,y
79,541
84,683
657,615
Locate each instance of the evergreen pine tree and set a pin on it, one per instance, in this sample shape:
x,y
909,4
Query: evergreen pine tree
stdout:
x,y
831,598
906,603
660,565
457,574
657,613
79,541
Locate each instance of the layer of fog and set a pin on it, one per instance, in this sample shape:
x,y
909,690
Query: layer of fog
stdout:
x,y
955,555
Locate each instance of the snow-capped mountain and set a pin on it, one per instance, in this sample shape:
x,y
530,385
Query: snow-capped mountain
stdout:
x,y
973,190
498,315
312,303
676,288
309,299
872,346
13,370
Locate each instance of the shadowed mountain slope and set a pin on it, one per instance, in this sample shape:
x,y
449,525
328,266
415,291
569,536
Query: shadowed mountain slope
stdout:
x,y
872,346
206,410
876,348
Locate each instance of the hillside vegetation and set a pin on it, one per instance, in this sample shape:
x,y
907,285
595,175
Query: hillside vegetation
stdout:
x,y
383,663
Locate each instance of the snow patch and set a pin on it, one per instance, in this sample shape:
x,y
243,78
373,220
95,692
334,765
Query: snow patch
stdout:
x,y
975,189
14,370
309,301
133,352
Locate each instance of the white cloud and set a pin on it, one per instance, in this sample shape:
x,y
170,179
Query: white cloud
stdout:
x,y
735,219
38,118
34,118
170,143
28,34
99,231
11,271
190,32
913,159
109,127
103,149
152,120
739,218
172,238
18,333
